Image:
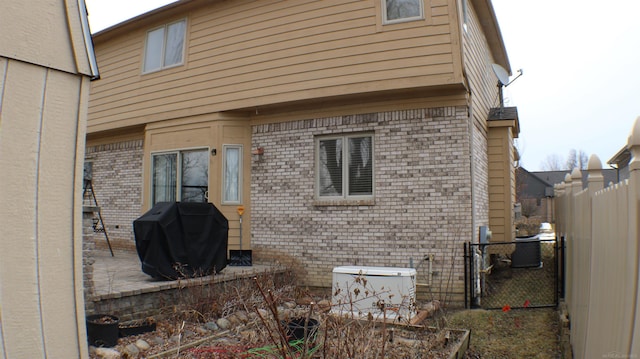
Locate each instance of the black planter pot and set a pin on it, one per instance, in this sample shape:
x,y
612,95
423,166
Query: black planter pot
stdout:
x,y
136,327
102,330
297,328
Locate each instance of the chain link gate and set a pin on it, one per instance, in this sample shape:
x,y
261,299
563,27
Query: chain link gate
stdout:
x,y
521,274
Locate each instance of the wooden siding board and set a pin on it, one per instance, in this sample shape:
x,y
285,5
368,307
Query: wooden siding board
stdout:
x,y
347,39
247,53
126,119
255,90
293,73
309,17
232,69
226,14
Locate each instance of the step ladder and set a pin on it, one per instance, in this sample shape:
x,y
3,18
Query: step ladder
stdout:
x,y
89,199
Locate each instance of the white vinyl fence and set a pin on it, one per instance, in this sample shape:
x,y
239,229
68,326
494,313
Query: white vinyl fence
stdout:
x,y
602,233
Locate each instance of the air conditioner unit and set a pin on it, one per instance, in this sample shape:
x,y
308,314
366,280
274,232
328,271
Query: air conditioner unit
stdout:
x,y
378,292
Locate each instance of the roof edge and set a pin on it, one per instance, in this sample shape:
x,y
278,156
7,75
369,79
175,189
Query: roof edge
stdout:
x,y
489,23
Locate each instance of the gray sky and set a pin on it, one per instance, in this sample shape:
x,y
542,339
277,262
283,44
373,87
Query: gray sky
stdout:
x,y
580,88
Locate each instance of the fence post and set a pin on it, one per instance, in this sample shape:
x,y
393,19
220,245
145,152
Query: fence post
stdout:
x,y
568,205
591,241
633,144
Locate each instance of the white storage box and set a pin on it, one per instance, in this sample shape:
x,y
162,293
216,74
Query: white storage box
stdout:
x,y
361,291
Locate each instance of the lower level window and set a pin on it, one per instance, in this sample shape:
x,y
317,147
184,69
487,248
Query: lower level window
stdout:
x,y
344,167
180,176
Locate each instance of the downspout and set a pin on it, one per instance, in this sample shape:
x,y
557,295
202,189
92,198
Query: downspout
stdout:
x,y
472,173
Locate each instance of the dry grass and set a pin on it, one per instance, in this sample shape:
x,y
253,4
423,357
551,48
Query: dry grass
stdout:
x,y
525,333
515,334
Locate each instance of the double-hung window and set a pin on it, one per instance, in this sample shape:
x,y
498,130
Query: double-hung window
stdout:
x,y
344,167
402,10
164,46
180,176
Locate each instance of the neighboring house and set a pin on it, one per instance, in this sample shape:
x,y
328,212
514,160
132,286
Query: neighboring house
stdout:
x,y
352,132
620,163
46,63
535,190
557,177
535,195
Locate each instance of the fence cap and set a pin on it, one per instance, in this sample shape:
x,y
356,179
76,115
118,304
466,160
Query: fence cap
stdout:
x,y
576,174
634,136
594,163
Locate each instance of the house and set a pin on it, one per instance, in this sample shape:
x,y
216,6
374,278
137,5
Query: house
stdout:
x,y
46,63
351,132
535,195
620,163
535,190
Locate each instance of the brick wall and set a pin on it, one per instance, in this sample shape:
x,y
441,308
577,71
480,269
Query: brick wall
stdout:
x,y
117,182
481,177
422,197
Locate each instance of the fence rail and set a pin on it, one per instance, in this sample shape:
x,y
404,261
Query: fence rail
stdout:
x,y
601,229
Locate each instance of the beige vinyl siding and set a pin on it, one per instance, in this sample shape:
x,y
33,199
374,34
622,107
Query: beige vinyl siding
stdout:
x,y
501,181
247,54
477,61
483,95
42,138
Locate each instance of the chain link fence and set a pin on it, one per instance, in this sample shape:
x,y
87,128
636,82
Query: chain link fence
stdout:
x,y
520,274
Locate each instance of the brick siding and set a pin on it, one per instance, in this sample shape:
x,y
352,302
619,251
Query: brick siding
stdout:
x,y
422,197
117,182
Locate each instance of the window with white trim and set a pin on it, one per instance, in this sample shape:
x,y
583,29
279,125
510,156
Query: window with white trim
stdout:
x,y
232,174
164,46
344,167
180,176
402,10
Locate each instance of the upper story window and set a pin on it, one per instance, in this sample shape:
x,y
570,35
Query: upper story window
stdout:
x,y
402,10
164,46
344,167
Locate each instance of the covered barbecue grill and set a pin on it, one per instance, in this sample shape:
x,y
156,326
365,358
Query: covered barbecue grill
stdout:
x,y
182,239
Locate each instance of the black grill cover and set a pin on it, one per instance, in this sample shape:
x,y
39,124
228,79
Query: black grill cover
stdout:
x,y
183,239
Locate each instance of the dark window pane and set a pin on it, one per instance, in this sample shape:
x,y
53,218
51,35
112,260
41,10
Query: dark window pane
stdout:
x,y
401,9
195,176
163,186
330,167
360,166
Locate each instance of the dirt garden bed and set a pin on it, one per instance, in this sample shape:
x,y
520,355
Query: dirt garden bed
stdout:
x,y
253,321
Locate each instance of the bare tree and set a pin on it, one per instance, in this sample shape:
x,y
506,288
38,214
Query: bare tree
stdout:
x,y
572,160
582,160
575,159
552,163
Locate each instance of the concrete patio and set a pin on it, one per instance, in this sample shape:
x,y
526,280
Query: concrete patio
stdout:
x,y
121,288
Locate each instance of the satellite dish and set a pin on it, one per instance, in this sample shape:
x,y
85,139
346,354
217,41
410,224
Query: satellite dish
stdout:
x,y
501,74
